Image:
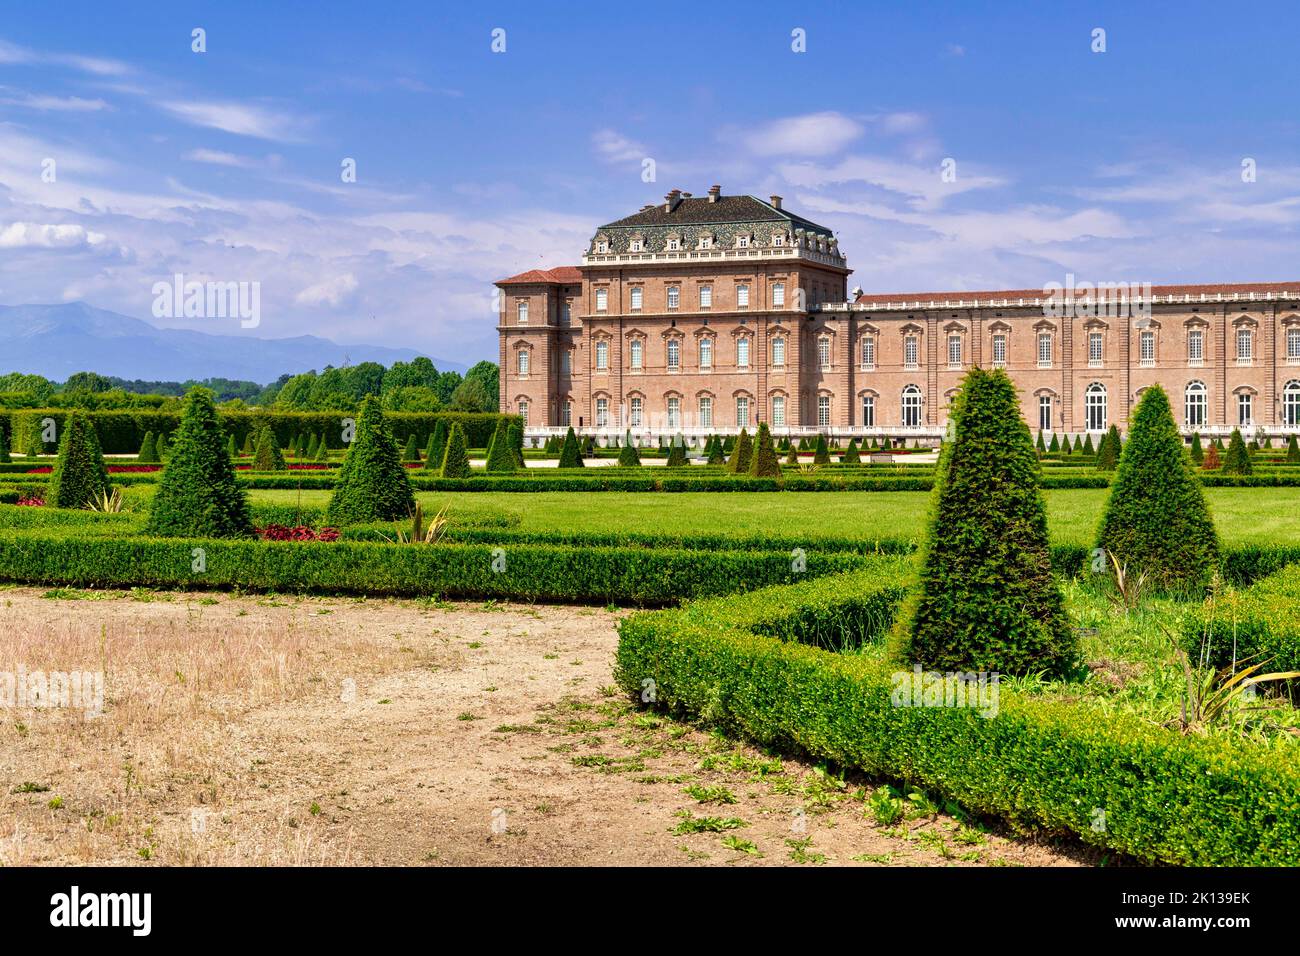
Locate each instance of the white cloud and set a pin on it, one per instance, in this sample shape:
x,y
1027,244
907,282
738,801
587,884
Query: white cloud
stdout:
x,y
816,134
54,104
217,158
614,147
330,292
14,55
241,119
35,235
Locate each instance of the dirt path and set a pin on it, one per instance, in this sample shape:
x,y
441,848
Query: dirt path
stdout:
x,y
319,731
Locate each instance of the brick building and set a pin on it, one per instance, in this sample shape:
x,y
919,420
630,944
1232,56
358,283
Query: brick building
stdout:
x,y
708,314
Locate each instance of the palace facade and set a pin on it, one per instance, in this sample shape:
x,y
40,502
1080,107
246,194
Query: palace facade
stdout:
x,y
708,314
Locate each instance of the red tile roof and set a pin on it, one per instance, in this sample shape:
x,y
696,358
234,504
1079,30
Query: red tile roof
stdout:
x,y
560,275
1227,289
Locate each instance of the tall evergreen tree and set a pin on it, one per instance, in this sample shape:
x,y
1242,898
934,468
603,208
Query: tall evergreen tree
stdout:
x,y
1292,451
985,598
501,455
716,455
1087,445
1198,454
515,433
628,456
437,450
198,496
821,454
455,457
80,477
741,453
570,454
1109,451
1237,461
411,453
851,455
148,450
1156,521
763,463
1055,446
372,484
677,452
267,455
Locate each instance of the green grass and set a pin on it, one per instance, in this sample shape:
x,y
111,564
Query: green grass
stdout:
x,y
1242,515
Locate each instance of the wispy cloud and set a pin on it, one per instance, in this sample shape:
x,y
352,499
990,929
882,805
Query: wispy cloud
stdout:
x,y
613,147
815,134
242,119
15,55
53,104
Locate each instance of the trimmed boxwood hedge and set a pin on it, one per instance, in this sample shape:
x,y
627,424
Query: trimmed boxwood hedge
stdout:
x,y
1260,622
532,572
743,664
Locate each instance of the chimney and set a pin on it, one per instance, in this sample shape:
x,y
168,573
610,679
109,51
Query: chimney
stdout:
x,y
776,202
715,193
672,199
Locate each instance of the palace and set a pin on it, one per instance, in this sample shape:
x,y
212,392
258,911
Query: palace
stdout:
x,y
709,314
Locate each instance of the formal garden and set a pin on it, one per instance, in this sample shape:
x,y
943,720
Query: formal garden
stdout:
x,y
1094,642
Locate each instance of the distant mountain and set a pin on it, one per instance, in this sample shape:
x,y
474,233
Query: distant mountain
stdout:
x,y
57,340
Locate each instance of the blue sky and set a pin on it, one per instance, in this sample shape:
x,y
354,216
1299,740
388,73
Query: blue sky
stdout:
x,y
471,165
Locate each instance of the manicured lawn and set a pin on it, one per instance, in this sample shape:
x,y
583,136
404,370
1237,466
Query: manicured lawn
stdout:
x,y
1242,515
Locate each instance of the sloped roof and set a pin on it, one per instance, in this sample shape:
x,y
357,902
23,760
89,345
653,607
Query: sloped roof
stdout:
x,y
1195,291
560,275
697,210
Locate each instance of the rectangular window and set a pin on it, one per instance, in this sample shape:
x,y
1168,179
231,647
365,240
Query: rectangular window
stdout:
x,y
566,413
778,352
1245,410
742,352
522,358
778,411
824,352
523,313
1196,346
706,297
566,362
602,355
823,411
1147,348
674,412
636,298
1293,344
911,351
674,355
602,300
868,411
868,351
634,413
568,311
778,295
636,352
523,412
1094,348
954,351
674,296
706,352
1044,413
602,412
1044,349
742,412
999,350
706,412
1245,345
742,297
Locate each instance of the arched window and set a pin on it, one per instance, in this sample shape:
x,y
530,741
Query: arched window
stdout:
x,y
1194,404
868,411
1291,404
911,407
1094,402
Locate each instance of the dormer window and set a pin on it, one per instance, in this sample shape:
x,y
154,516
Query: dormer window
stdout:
x,y
778,240
706,242
636,245
674,244
742,242
602,246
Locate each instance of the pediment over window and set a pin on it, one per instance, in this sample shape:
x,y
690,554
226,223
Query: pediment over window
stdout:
x,y
997,325
1245,322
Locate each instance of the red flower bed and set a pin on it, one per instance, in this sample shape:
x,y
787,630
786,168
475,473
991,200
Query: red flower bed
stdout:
x,y
43,470
302,467
280,532
31,501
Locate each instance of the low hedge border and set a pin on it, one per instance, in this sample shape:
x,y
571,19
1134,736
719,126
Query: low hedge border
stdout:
x,y
1260,622
742,664
528,572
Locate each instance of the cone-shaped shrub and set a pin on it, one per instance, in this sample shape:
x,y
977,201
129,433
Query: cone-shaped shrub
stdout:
x,y
515,432
1055,446
1109,450
372,485
793,457
5,457
1212,459
1237,461
322,450
248,443
716,455
763,462
501,457
822,455
437,449
985,598
163,446
1292,451
1218,443
1066,447
783,444
455,457
412,450
677,452
311,444
1156,522
1198,453
80,476
589,447
148,450
231,450
1040,445
628,456
198,496
741,454
1087,445
267,456
886,444
570,454
851,455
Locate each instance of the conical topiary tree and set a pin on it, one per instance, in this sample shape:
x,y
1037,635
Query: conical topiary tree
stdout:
x,y
311,444
322,450
5,457
1156,522
1109,451
437,450
628,456
1292,451
570,453
985,597
267,455
148,450
677,452
80,477
793,457
372,484
198,496
1212,460
455,457
501,457
411,452
1237,461
247,448
1042,448
515,433
716,455
741,452
231,450
164,446
1087,446
763,463
821,455
851,455
1055,446
1198,453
